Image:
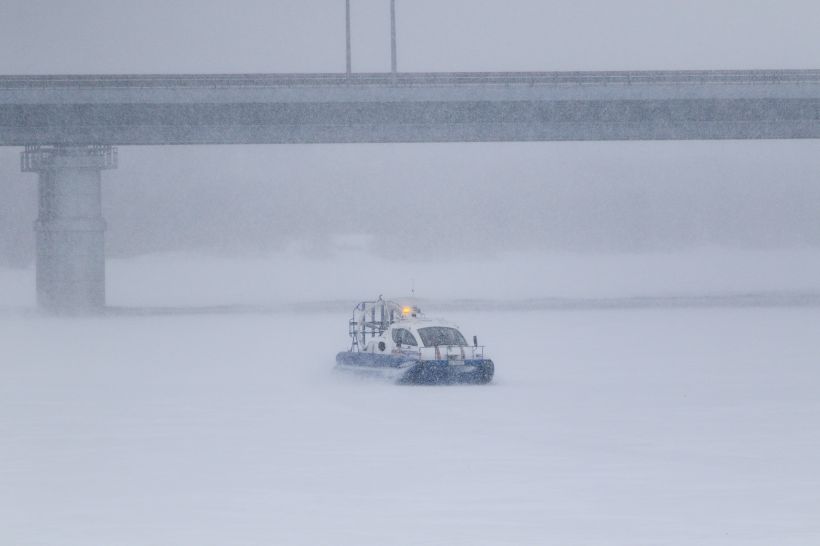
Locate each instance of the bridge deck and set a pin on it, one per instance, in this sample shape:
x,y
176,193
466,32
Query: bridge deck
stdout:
x,y
405,107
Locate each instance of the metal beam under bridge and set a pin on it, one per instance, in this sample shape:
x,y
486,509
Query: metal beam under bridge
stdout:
x,y
69,123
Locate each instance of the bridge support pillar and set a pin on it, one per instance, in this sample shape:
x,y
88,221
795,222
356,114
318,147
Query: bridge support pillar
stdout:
x,y
70,228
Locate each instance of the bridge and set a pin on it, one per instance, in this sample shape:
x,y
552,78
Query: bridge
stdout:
x,y
70,126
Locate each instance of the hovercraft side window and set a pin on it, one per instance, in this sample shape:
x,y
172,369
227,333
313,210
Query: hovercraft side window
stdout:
x,y
439,335
404,337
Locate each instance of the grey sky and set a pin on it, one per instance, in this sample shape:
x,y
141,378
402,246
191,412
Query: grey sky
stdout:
x,y
111,36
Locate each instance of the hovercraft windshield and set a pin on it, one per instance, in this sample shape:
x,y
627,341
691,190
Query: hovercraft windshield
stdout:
x,y
433,336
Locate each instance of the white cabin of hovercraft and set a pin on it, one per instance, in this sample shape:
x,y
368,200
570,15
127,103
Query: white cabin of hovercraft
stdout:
x,y
414,333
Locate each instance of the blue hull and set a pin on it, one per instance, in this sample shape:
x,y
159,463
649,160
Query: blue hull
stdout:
x,y
404,370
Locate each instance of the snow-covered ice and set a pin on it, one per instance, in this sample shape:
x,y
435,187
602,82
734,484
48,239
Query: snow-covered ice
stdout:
x,y
623,427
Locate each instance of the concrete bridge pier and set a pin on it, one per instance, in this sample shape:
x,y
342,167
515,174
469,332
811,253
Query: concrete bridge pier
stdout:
x,y
70,228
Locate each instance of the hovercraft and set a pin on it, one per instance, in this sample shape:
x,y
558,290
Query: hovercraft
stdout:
x,y
399,343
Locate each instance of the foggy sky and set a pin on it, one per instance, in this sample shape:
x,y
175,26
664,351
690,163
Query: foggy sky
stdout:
x,y
440,199
116,36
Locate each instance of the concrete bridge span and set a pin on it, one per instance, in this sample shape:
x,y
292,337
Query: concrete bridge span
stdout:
x,y
70,126
460,107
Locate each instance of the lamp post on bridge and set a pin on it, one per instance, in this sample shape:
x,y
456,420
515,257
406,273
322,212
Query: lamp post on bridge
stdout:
x,y
347,38
393,36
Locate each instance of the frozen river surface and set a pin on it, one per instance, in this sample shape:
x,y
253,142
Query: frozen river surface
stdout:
x,y
612,427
